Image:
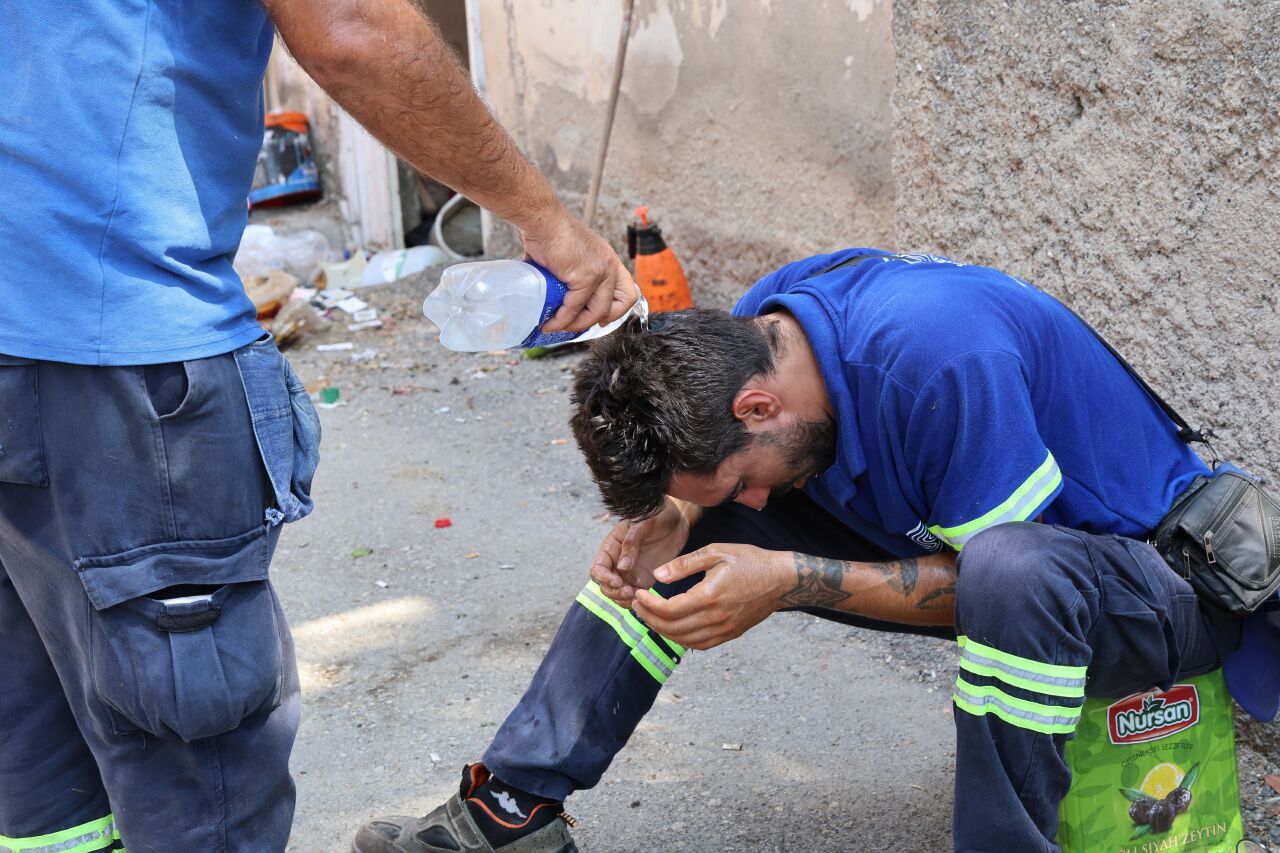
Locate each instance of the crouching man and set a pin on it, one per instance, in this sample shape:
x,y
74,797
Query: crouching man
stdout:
x,y
871,438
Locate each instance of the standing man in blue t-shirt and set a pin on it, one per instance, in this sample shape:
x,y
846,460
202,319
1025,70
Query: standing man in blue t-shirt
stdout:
x,y
151,442
870,439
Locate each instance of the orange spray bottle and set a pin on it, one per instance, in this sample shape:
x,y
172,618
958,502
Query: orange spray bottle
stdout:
x,y
657,270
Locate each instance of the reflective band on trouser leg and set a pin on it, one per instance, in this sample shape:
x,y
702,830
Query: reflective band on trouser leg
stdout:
x,y
1017,507
1053,679
1025,674
86,837
988,699
647,651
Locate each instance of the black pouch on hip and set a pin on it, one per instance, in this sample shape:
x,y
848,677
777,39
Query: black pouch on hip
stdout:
x,y
1223,536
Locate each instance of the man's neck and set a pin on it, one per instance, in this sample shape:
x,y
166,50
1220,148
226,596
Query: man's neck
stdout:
x,y
797,378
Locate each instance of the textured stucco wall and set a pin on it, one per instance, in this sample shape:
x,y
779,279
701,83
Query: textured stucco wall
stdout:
x,y
1122,156
757,131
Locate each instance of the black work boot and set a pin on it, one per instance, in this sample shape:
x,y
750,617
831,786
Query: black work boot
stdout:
x,y
480,818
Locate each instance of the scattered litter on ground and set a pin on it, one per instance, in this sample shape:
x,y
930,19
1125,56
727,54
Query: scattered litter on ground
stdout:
x,y
507,566
559,441
471,555
364,355
330,298
295,318
339,347
443,410
270,291
442,523
435,759
381,584
357,553
352,305
732,747
348,273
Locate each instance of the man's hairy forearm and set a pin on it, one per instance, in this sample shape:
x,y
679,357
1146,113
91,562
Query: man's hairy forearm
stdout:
x,y
915,591
385,64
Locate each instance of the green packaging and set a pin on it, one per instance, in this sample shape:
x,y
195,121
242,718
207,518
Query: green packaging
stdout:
x,y
1154,771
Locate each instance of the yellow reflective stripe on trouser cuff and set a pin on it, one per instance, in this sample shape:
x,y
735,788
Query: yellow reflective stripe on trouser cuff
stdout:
x,y
78,839
1017,507
631,631
675,647
989,699
1052,679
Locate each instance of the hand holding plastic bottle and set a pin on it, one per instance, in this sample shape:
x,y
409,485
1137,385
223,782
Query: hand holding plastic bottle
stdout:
x,y
600,288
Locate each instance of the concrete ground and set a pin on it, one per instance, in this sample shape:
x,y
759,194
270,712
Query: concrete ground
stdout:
x,y
413,653
414,642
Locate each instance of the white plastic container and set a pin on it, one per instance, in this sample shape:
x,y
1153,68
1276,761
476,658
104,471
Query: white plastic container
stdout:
x,y
490,305
386,267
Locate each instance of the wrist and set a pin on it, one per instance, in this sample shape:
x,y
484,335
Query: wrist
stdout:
x,y
782,575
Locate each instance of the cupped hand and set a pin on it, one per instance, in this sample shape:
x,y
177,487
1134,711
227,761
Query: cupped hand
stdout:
x,y
742,587
631,551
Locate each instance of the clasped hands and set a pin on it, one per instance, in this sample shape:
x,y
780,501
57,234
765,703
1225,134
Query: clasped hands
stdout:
x,y
742,585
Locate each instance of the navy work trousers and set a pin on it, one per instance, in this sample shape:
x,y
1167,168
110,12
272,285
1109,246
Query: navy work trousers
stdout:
x,y
148,695
1045,615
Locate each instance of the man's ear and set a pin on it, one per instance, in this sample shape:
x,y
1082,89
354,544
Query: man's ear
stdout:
x,y
755,406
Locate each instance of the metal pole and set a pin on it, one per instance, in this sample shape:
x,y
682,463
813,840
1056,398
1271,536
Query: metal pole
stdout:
x,y
593,193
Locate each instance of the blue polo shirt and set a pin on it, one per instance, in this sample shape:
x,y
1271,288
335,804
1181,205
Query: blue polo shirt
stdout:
x,y
965,398
129,132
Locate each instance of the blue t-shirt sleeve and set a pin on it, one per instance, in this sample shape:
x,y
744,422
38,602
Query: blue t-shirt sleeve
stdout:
x,y
784,278
975,452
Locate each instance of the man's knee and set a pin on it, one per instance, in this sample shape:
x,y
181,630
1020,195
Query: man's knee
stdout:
x,y
1012,573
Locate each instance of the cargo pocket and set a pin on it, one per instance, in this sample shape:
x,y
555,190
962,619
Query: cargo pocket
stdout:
x,y
198,661
286,425
21,441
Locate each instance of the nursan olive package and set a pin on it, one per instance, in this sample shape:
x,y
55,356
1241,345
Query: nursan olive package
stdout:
x,y
1154,771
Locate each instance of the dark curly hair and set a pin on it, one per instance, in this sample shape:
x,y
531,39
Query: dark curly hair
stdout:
x,y
656,401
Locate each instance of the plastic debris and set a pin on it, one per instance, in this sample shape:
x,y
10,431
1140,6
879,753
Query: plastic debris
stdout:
x,y
442,523
435,759
732,747
357,553
367,324
507,566
381,584
443,410
352,305
364,315
330,298
263,250
339,347
471,555
386,267
345,274
329,395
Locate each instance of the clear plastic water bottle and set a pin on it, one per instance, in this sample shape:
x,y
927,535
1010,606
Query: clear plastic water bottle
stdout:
x,y
488,305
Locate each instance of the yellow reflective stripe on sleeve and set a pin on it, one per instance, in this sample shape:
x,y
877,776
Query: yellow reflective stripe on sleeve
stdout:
x,y
1017,507
1048,678
84,838
989,699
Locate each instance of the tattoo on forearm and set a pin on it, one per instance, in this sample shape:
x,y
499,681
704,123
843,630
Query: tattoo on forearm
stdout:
x,y
929,601
818,582
901,575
